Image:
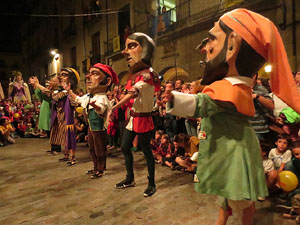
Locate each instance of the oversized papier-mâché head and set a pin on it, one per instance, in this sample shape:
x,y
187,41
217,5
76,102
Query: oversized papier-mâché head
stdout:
x,y
240,43
139,51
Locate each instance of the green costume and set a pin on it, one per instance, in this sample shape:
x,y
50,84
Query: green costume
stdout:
x,y
45,110
229,160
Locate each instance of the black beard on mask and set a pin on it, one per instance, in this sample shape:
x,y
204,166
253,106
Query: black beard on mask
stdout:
x,y
217,68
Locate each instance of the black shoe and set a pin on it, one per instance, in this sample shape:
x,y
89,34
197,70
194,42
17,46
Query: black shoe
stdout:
x,y
90,172
125,184
72,162
96,175
53,153
151,189
64,159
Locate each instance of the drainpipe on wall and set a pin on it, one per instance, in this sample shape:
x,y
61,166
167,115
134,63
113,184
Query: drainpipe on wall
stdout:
x,y
106,15
294,35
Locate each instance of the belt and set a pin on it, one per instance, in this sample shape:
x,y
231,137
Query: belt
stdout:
x,y
140,114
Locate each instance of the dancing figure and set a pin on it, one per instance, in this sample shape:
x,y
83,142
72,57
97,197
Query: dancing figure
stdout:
x,y
18,90
139,52
229,159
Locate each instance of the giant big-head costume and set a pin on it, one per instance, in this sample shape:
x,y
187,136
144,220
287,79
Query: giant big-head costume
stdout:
x,y
72,75
100,77
139,51
240,43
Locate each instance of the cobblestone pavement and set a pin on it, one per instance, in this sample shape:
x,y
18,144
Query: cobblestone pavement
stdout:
x,y
37,189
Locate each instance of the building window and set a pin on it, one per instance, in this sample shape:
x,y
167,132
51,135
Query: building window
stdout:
x,y
95,57
73,58
124,24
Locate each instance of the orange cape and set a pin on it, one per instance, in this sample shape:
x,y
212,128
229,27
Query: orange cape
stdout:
x,y
239,95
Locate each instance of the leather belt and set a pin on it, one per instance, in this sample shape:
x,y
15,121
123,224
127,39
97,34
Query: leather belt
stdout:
x,y
140,114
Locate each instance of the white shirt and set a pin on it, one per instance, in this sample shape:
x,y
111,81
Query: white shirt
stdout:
x,y
101,101
144,102
268,165
185,104
279,158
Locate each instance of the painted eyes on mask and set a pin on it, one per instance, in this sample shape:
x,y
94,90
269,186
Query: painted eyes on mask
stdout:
x,y
132,45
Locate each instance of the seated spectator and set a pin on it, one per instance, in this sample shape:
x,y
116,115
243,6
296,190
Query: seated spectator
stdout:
x,y
30,132
290,121
280,155
164,150
21,128
156,141
189,161
270,172
179,143
6,129
293,196
294,164
80,129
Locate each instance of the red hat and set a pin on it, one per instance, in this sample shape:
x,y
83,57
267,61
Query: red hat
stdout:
x,y
108,70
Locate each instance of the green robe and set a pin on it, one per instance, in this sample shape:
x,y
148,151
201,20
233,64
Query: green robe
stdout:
x,y
45,110
229,163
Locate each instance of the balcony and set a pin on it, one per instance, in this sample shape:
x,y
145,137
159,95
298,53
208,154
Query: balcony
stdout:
x,y
191,15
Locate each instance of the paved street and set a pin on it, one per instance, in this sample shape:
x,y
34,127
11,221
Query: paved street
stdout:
x,y
37,189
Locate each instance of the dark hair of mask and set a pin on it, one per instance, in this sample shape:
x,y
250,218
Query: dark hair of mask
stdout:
x,y
147,45
248,61
72,78
104,81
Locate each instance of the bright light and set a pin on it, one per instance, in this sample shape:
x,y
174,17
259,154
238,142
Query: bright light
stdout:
x,y
268,68
56,56
53,52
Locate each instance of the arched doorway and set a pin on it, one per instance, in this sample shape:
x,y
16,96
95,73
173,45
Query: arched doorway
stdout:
x,y
174,73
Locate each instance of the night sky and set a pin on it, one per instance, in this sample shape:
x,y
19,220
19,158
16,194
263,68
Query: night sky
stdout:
x,y
10,25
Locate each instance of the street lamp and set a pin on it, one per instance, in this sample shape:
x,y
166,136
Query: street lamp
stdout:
x,y
53,52
268,68
56,56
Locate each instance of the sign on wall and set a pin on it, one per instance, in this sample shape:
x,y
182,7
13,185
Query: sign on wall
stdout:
x,y
116,43
229,3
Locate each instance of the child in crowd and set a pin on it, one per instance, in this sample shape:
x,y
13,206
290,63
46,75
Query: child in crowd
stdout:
x,y
179,144
21,128
280,155
290,122
156,141
164,150
6,129
294,164
80,129
30,132
189,161
293,197
270,172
